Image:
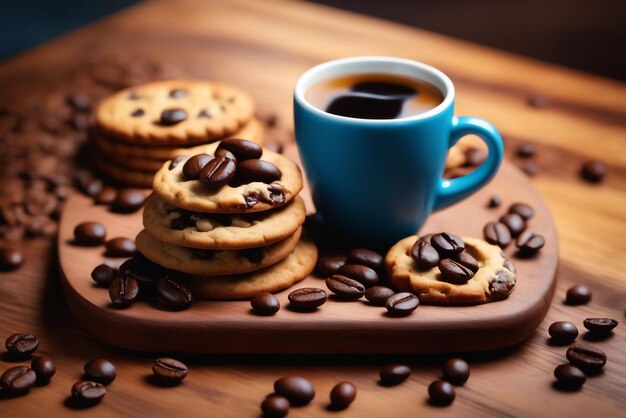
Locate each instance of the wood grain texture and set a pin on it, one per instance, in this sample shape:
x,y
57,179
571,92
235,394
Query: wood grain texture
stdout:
x,y
263,47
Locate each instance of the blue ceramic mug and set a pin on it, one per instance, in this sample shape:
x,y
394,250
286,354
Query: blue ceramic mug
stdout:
x,y
375,181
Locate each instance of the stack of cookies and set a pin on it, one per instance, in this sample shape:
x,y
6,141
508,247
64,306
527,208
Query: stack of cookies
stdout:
x,y
140,128
230,220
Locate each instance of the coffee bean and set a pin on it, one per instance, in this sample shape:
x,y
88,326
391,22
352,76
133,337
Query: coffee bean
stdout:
x,y
249,171
178,93
402,304
327,266
93,187
467,260
123,291
21,345
424,255
474,157
307,298
90,233
378,295
103,275
593,171
44,368
171,117
344,287
193,166
578,295
367,258
447,244
529,243
18,379
275,406
523,210
394,374
100,370
128,201
173,294
569,377
600,327
362,274
426,237
242,149
497,233
494,202
169,370
223,153
298,390
526,150
342,395
530,168
144,271
265,303
217,173
454,272
106,196
120,247
441,393
514,223
562,332
456,371
88,393
10,259
586,357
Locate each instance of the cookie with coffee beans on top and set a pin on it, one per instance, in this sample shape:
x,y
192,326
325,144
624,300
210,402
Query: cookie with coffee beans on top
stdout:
x,y
240,177
479,273
174,112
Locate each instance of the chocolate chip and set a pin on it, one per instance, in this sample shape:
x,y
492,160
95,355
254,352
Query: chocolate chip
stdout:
x,y
327,266
249,171
441,393
178,93
100,370
203,114
514,222
264,303
569,377
123,291
21,345
526,150
169,370
193,166
173,294
394,374
578,295
342,395
447,244
501,287
275,406
10,259
366,257
120,247
307,298
454,272
529,243
90,233
378,295
217,173
424,255
128,201
523,210
298,390
401,304
593,171
88,393
103,275
494,202
456,371
138,113
253,255
171,117
497,233
562,332
44,368
586,357
242,149
18,379
600,327
362,274
344,287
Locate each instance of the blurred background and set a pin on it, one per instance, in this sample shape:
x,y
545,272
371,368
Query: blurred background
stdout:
x,y
589,35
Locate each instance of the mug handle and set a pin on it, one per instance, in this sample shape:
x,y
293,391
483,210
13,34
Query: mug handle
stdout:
x,y
451,191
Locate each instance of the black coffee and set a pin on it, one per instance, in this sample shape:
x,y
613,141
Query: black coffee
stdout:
x,y
374,96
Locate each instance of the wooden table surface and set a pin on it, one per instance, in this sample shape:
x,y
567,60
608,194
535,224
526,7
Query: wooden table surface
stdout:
x,y
263,46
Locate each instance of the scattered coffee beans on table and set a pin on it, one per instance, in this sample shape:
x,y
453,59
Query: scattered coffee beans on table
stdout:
x,y
10,259
367,276
528,244
587,358
342,395
394,374
90,233
173,294
123,291
569,377
18,379
128,201
103,275
441,393
344,287
101,371
327,266
298,390
494,202
600,327
562,332
88,393
120,247
21,345
402,304
275,406
378,295
578,295
168,370
514,222
307,298
44,368
265,303
497,233
522,209
593,171
456,371
366,257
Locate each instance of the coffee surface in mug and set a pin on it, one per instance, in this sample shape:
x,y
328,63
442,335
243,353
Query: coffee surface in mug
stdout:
x,y
374,96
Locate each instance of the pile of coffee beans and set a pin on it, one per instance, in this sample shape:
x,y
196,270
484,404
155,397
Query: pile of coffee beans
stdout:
x,y
19,380
447,252
513,226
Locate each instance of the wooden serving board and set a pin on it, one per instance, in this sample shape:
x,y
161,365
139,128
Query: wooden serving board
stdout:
x,y
337,327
